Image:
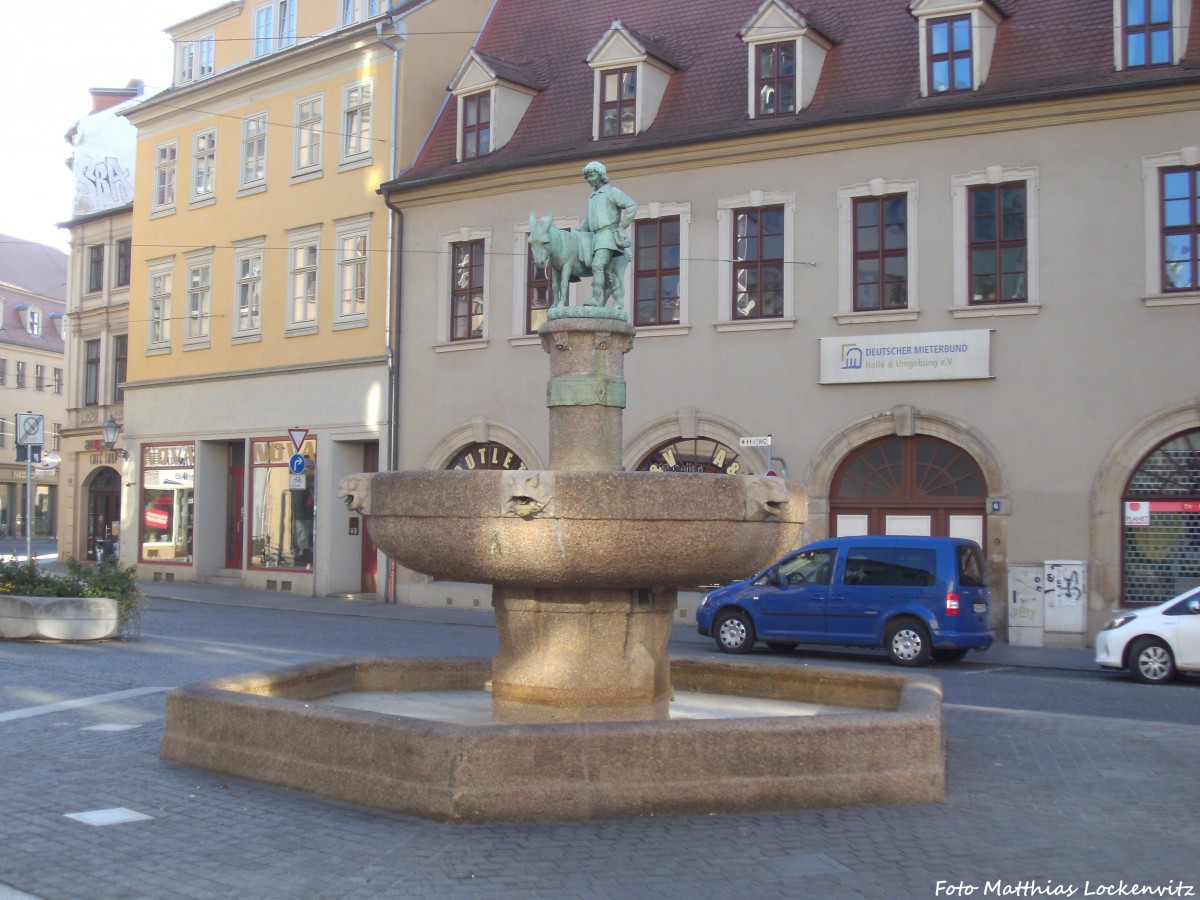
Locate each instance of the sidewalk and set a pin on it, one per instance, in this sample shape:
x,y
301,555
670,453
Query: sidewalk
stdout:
x,y
999,654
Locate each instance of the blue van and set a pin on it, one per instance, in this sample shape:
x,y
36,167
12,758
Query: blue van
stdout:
x,y
916,597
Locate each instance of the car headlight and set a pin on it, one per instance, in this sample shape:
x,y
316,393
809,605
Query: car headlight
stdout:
x,y
1119,621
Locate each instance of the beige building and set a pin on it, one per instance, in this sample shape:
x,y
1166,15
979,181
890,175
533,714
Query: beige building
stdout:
x,y
103,145
261,306
32,375
943,253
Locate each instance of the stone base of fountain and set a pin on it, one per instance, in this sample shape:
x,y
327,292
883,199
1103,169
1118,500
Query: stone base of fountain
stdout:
x,y
269,727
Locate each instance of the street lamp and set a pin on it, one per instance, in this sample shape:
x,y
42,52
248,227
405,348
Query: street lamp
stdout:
x,y
111,432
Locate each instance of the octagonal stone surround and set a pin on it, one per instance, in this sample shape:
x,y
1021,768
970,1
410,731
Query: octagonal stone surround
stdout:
x,y
263,726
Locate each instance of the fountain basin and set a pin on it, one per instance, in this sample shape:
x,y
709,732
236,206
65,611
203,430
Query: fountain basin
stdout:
x,y
266,726
580,530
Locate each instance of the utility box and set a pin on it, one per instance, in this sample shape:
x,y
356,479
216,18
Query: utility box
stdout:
x,y
1066,603
1026,605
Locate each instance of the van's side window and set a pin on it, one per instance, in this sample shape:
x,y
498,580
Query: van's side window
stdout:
x,y
814,567
970,567
891,567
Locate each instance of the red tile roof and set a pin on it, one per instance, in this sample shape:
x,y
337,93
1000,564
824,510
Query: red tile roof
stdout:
x,y
1043,47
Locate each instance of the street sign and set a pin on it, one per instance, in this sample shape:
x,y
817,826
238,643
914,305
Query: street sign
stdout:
x,y
31,429
298,436
296,464
764,441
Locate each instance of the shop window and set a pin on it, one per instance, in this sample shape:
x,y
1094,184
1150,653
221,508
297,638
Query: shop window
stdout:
x,y
168,481
693,455
282,504
486,455
1161,527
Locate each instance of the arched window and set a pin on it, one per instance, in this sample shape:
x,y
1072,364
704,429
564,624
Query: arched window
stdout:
x,y
1161,530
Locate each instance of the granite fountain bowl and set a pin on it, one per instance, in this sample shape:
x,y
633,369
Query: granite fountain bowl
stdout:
x,y
576,530
887,744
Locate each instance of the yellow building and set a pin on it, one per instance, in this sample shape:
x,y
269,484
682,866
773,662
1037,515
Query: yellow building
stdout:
x,y
261,302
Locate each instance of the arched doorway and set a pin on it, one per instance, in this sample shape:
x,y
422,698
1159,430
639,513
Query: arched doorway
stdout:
x,y
909,485
103,513
1160,549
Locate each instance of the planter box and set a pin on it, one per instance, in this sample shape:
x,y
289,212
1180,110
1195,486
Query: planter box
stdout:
x,y
57,618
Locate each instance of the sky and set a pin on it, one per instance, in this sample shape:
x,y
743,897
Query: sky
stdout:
x,y
51,53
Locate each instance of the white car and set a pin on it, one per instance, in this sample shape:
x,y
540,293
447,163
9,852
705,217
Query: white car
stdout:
x,y
1154,643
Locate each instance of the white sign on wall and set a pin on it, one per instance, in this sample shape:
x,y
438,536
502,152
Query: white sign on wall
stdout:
x,y
929,356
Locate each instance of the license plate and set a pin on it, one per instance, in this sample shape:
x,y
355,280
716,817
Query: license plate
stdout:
x,y
980,608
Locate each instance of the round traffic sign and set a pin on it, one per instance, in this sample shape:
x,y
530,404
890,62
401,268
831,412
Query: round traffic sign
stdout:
x,y
296,464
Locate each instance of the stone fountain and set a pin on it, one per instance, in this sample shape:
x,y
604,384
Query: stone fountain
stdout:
x,y
585,560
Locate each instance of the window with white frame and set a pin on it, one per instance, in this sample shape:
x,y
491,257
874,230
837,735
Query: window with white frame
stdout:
x,y
1171,192
355,11
95,269
254,152
58,380
204,165
247,289
304,255
195,59
120,366
462,284
197,328
20,380
489,106
659,270
158,336
309,116
34,323
995,235
630,79
955,42
165,166
352,272
356,122
877,276
755,281
274,26
39,377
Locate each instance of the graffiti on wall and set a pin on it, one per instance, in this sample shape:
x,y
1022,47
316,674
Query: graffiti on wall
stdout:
x,y
107,182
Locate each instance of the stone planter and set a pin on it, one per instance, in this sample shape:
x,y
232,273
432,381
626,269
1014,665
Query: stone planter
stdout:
x,y
58,618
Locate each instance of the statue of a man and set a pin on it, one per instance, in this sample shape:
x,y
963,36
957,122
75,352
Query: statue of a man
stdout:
x,y
610,212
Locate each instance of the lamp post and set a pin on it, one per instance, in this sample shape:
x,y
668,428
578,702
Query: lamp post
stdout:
x,y
112,430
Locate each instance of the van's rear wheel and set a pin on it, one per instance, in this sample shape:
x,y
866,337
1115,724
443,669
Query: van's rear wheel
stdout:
x,y
907,643
734,632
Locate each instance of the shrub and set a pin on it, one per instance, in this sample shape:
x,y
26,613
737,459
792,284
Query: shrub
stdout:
x,y
105,580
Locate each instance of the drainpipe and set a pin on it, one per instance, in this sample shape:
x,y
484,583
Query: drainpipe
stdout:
x,y
391,319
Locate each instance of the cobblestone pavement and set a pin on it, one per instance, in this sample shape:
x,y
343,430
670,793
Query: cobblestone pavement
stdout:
x,y
1039,803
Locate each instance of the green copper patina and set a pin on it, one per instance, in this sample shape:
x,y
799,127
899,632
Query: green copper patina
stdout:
x,y
599,248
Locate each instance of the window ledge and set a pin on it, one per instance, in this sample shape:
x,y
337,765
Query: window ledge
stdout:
x,y
524,340
162,211
859,318
253,338
343,324
983,312
756,325
250,190
1183,298
160,350
312,175
349,165
298,330
663,330
453,346
202,202
197,345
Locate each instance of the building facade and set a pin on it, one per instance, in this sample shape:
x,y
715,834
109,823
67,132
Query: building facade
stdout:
x,y
260,301
32,377
943,253
104,146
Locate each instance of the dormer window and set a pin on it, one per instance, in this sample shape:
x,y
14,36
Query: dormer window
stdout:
x,y
492,96
950,55
35,323
477,125
631,76
1147,34
955,41
195,59
775,78
785,59
618,103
